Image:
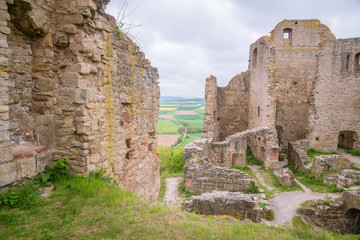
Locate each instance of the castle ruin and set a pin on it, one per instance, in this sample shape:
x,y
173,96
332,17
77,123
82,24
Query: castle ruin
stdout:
x,y
302,84
73,86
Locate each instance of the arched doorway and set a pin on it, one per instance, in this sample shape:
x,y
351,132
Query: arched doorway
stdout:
x,y
347,139
353,214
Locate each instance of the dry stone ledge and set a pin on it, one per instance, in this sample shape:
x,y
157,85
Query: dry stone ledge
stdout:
x,y
285,176
326,163
236,204
339,215
343,178
200,176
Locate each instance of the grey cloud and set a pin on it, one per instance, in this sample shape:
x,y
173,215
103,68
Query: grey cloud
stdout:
x,y
189,40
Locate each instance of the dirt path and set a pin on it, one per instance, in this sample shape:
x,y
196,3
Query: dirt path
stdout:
x,y
352,158
285,204
171,197
256,170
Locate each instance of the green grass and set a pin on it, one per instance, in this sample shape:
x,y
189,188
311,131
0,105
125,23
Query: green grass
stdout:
x,y
251,159
192,123
190,138
315,184
312,152
189,117
166,112
83,208
283,188
350,151
167,127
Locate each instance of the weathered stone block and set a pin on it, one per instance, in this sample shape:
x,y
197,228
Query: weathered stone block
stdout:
x,y
8,173
5,154
4,136
80,96
87,3
28,167
285,176
60,39
44,84
3,44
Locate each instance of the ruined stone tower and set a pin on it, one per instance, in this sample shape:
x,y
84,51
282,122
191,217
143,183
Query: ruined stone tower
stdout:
x,y
302,82
73,86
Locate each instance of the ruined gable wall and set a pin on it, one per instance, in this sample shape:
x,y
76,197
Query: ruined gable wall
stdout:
x,y
233,102
291,67
261,106
336,100
86,92
211,114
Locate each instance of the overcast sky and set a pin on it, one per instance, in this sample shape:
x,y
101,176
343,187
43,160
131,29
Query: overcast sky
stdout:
x,y
189,40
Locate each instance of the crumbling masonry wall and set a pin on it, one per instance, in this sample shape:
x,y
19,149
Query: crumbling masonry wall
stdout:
x,y
335,95
302,81
72,86
232,151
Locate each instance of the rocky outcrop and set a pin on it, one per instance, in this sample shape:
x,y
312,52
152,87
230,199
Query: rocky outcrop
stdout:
x,y
238,205
73,84
201,176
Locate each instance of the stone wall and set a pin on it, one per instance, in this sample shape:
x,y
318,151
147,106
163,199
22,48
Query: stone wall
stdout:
x,y
238,205
297,156
7,169
302,81
79,89
335,95
211,115
233,102
328,163
339,215
200,176
232,151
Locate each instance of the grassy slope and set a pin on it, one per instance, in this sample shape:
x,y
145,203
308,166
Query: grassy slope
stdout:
x,y
93,209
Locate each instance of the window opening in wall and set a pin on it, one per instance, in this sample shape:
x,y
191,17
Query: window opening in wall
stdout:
x,y
254,57
357,60
128,143
347,62
258,111
287,33
347,139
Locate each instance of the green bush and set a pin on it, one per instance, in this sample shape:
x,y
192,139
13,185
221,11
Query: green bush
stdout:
x,y
22,196
177,160
165,153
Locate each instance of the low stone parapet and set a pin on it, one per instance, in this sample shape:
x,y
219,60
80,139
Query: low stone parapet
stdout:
x,y
326,163
238,205
200,176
